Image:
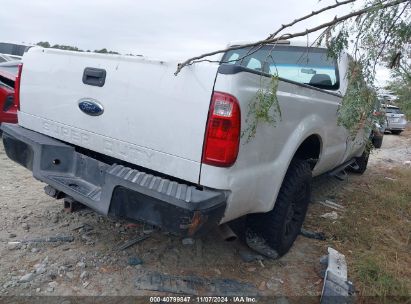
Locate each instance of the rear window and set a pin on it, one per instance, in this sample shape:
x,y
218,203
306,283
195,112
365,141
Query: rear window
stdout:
x,y
303,65
393,111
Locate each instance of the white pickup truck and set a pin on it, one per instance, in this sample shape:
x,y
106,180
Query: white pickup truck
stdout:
x,y
126,137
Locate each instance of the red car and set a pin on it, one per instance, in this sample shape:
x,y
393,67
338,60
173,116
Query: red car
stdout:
x,y
8,108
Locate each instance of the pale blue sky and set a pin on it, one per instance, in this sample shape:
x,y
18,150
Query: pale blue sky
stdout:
x,y
155,28
179,27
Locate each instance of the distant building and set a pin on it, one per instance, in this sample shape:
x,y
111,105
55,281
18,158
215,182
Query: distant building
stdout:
x,y
12,49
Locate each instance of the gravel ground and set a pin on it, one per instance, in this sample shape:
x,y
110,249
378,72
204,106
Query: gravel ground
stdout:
x,y
91,264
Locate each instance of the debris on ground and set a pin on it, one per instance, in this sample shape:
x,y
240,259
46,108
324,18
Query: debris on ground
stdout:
x,y
193,285
330,215
262,286
51,239
132,242
332,205
134,261
188,241
218,272
85,284
13,246
84,275
40,268
313,235
52,286
275,284
88,237
249,256
84,226
390,179
132,225
336,285
26,278
55,219
69,275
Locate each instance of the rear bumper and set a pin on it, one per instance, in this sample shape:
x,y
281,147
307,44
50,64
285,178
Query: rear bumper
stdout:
x,y
115,190
396,126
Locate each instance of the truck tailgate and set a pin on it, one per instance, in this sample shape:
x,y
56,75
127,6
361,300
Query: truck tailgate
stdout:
x,y
150,117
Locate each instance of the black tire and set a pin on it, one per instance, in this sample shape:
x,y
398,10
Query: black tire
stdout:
x,y
377,141
362,163
396,132
273,233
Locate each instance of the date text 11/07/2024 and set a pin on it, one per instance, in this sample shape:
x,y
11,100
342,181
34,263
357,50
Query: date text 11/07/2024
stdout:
x,y
205,299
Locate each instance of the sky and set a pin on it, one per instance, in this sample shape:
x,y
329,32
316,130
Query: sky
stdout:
x,y
156,28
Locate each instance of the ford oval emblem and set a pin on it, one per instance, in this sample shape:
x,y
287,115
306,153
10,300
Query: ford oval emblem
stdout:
x,y
91,107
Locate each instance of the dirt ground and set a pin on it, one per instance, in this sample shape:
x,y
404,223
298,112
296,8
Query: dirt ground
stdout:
x,y
91,264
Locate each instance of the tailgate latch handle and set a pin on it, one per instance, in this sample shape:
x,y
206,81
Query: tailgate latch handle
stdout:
x,y
94,77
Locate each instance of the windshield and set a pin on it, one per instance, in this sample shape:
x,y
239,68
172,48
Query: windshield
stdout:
x,y
304,65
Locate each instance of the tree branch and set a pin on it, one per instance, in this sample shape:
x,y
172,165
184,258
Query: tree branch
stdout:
x,y
308,16
274,39
383,45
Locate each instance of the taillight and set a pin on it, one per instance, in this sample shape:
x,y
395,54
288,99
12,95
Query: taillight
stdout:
x,y
17,87
8,103
222,138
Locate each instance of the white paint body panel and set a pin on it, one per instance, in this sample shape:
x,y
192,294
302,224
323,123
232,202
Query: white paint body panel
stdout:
x,y
151,117
256,177
156,120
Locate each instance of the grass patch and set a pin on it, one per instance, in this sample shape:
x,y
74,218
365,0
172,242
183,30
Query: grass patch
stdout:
x,y
379,283
374,232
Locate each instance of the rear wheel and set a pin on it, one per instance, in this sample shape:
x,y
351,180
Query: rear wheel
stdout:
x,y
273,233
396,132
